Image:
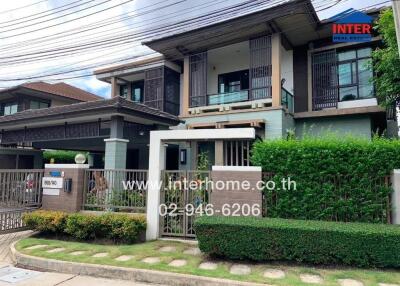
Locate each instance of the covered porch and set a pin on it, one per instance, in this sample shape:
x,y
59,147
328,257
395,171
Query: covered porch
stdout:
x,y
115,132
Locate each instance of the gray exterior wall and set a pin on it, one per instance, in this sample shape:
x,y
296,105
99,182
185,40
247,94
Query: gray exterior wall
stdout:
x,y
359,126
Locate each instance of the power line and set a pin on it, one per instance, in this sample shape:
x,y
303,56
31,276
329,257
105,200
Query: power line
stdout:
x,y
22,7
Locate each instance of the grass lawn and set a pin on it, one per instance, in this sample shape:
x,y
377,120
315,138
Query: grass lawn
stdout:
x,y
151,249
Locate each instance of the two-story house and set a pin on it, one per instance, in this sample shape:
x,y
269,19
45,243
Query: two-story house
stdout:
x,y
34,96
276,70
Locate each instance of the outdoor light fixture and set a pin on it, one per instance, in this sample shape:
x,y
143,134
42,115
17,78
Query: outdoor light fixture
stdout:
x,y
141,133
182,156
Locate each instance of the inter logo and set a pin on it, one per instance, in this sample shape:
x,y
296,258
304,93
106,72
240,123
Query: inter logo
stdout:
x,y
351,26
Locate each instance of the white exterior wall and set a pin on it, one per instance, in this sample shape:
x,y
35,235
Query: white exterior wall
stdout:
x,y
230,58
287,68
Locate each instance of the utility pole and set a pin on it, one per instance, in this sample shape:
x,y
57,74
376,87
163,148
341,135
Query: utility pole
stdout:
x,y
396,14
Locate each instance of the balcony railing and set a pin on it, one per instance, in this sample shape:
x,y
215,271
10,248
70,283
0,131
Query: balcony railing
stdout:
x,y
228,97
287,100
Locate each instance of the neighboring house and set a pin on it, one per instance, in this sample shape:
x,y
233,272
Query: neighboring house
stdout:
x,y
35,95
274,71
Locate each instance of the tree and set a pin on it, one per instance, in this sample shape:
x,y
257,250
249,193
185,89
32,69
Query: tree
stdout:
x,y
386,61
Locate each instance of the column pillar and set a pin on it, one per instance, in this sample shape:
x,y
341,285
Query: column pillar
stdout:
x,y
219,153
156,166
396,196
116,147
114,87
276,69
186,86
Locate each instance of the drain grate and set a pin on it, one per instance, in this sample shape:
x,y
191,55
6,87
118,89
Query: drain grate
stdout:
x,y
14,275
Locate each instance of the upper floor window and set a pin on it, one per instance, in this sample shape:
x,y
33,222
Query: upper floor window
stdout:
x,y
233,81
10,108
137,91
35,104
354,74
123,91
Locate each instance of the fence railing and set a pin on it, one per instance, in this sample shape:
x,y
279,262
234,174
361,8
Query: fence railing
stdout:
x,y
11,219
21,188
115,190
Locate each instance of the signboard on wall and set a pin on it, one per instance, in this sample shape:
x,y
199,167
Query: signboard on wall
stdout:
x,y
52,183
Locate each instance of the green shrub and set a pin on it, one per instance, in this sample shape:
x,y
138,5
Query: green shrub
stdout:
x,y
316,242
49,222
336,179
60,156
81,226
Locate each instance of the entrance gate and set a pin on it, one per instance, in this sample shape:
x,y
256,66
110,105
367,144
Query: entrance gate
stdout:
x,y
184,196
20,192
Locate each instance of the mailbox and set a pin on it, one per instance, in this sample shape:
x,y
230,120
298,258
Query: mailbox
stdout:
x,y
68,185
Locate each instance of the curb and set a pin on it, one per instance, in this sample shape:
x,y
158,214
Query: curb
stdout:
x,y
121,273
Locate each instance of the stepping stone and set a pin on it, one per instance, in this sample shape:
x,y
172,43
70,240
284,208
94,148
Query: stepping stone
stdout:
x,y
350,282
124,258
208,266
274,274
192,251
167,249
385,284
311,278
56,250
151,260
100,255
76,253
240,269
178,263
36,246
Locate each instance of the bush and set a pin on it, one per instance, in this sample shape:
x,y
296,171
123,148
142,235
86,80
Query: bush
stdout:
x,y
337,179
60,156
316,242
49,222
80,226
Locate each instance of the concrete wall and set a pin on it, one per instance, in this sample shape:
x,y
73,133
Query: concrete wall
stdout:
x,y
230,58
350,125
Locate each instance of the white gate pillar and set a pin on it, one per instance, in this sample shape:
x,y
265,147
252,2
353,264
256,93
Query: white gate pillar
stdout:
x,y
157,163
396,196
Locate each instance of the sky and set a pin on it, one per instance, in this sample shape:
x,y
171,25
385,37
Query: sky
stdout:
x,y
38,38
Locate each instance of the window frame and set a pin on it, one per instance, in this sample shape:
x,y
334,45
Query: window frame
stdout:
x,y
241,80
40,103
9,104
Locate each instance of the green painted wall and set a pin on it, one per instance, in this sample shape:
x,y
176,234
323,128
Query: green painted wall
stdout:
x,y
354,125
276,121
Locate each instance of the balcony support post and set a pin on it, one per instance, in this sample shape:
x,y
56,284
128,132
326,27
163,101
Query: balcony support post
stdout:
x,y
276,69
186,86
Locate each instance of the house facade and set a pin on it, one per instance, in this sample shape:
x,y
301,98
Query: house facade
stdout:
x,y
271,70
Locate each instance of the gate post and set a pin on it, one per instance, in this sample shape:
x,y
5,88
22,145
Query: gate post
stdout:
x,y
57,197
395,178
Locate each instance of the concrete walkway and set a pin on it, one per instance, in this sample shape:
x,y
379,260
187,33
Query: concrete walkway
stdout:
x,y
35,278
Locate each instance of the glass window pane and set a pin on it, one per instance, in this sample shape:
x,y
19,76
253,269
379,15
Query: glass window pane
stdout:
x,y
364,71
348,55
366,91
365,52
43,105
14,108
34,104
123,91
345,75
348,93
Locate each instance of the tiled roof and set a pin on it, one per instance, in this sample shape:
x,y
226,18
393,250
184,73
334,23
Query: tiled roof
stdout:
x,y
61,89
118,104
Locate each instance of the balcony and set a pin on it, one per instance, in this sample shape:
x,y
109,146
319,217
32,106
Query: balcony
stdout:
x,y
287,100
228,97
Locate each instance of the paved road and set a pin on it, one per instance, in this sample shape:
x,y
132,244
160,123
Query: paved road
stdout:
x,y
35,278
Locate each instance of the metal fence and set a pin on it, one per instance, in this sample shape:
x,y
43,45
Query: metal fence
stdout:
x,y
181,203
115,190
11,219
20,188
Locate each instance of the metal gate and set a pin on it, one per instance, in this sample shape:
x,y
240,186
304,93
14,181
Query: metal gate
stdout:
x,y
20,192
184,197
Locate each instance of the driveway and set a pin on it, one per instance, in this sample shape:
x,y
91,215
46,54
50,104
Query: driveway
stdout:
x,y
10,275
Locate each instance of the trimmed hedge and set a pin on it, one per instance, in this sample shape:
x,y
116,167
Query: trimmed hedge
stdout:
x,y
338,179
80,226
316,242
60,156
